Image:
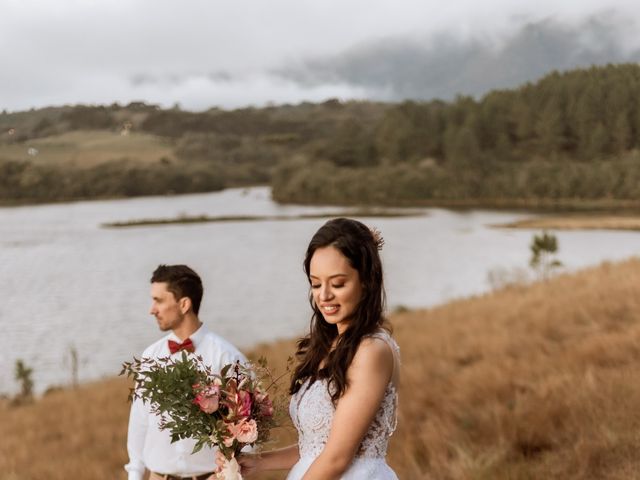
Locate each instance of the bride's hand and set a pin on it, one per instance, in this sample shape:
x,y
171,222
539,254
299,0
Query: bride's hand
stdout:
x,y
248,463
219,461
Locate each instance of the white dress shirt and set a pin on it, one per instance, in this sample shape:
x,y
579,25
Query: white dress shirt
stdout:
x,y
150,447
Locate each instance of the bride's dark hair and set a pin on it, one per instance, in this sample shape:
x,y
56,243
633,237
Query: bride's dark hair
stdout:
x,y
360,246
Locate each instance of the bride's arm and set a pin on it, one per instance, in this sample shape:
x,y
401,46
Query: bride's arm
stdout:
x,y
368,376
280,459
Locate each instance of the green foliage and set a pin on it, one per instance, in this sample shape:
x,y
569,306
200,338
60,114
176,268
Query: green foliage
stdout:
x,y
24,375
303,180
27,181
352,146
168,387
89,118
239,160
543,249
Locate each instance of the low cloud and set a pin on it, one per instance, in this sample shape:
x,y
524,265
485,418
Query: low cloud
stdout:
x,y
443,66
178,79
223,57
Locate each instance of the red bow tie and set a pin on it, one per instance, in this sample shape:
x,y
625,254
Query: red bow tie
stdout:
x,y
177,346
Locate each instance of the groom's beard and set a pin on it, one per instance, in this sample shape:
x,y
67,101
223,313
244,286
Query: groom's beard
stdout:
x,y
167,325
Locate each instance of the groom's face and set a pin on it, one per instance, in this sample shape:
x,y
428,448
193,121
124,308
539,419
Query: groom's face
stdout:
x,y
165,307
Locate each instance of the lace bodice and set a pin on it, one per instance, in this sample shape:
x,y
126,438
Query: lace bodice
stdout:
x,y
312,412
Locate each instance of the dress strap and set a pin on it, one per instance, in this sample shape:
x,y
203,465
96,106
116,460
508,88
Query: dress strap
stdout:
x,y
393,384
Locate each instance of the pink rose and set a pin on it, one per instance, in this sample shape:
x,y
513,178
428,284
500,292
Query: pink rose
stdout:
x,y
208,399
245,431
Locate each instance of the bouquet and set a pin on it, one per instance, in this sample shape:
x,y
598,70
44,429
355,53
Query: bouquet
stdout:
x,y
228,410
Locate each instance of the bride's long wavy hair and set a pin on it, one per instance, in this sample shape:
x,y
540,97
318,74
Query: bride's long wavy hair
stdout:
x,y
361,247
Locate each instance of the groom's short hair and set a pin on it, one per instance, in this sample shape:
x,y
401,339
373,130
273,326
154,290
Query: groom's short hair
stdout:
x,y
182,281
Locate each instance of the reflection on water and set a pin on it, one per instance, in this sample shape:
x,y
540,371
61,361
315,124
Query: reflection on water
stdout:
x,y
67,282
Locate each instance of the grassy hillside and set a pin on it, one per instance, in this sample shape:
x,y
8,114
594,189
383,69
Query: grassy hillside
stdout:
x,y
86,152
88,148
539,382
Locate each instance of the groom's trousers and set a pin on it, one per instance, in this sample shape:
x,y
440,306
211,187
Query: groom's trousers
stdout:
x,y
160,476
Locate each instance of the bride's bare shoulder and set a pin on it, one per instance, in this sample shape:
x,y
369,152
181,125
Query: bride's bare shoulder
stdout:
x,y
373,352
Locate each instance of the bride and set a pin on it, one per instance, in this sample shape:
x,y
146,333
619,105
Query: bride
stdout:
x,y
343,389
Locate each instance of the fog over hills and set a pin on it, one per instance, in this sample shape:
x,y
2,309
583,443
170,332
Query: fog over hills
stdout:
x,y
445,65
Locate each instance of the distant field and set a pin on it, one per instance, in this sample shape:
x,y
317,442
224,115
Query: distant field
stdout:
x,y
89,148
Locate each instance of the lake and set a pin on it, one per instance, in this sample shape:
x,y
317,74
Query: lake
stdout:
x,y
68,283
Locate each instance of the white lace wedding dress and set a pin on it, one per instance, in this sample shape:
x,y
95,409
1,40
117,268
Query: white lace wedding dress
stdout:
x,y
312,411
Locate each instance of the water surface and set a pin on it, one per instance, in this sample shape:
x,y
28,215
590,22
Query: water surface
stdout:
x,y
66,282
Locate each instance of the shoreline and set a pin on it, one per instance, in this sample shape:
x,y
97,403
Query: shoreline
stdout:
x,y
590,221
541,205
186,219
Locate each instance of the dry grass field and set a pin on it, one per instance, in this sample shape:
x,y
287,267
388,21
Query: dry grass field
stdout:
x,y
87,148
538,382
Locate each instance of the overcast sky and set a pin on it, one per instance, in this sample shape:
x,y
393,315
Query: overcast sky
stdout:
x,y
206,53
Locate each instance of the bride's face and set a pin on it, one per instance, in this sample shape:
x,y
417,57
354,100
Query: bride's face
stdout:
x,y
335,286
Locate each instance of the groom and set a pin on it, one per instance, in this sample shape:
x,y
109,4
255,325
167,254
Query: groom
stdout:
x,y
176,292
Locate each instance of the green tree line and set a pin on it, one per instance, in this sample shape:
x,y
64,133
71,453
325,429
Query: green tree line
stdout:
x,y
571,135
23,181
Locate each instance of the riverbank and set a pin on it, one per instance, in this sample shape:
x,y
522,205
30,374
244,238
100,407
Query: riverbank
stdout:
x,y
186,219
556,206
579,222
540,205
526,382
